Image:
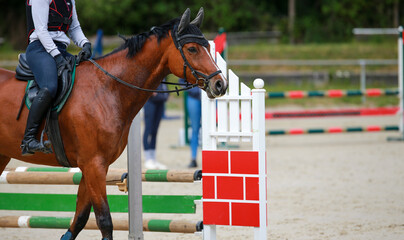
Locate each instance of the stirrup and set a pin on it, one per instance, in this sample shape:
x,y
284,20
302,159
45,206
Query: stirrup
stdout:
x,y
46,145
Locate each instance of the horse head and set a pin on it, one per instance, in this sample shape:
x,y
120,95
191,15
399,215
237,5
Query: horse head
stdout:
x,y
193,51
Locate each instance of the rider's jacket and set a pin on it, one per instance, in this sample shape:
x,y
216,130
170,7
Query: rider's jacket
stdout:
x,y
59,19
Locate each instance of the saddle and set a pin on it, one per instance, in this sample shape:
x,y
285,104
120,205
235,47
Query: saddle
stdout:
x,y
65,86
65,82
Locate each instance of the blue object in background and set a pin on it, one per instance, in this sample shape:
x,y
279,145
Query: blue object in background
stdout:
x,y
97,51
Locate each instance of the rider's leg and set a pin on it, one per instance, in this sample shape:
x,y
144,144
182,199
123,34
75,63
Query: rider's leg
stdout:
x,y
39,107
44,68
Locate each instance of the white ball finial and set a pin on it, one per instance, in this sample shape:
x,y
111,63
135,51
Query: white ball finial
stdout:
x,y
258,83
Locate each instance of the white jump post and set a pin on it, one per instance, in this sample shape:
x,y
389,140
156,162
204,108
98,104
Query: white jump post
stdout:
x,y
241,174
135,209
400,85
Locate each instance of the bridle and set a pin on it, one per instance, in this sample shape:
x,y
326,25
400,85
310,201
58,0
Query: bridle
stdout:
x,y
202,79
179,41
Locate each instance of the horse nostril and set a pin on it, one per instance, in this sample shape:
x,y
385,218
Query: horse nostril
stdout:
x,y
219,85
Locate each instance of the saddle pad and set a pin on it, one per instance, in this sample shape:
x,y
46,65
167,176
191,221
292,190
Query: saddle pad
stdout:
x,y
32,89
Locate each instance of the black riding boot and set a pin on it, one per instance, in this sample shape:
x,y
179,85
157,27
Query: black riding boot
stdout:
x,y
193,164
39,107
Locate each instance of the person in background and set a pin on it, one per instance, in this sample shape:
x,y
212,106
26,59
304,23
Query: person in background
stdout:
x,y
98,47
194,112
153,112
48,24
221,43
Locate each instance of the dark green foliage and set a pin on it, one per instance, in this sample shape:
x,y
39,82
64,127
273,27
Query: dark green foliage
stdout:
x,y
316,20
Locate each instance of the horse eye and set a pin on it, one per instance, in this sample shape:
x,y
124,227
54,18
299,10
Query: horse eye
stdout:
x,y
192,50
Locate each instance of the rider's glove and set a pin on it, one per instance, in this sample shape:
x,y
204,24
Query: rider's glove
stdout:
x,y
61,64
85,53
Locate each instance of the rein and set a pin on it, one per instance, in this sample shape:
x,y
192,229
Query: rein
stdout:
x,y
188,86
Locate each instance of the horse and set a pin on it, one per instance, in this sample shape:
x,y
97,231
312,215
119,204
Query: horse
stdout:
x,y
95,120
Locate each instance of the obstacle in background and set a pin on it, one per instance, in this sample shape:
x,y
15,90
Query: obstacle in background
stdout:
x,y
333,112
349,93
299,131
334,93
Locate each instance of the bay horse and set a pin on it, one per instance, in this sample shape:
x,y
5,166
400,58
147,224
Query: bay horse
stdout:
x,y
96,119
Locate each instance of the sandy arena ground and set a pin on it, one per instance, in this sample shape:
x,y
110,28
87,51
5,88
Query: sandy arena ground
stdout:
x,y
326,186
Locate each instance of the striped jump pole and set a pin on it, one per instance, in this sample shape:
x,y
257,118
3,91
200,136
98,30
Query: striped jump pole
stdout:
x,y
66,176
299,131
333,93
333,112
153,225
400,84
51,178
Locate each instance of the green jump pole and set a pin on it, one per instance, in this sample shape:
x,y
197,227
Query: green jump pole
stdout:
x,y
154,225
62,176
117,203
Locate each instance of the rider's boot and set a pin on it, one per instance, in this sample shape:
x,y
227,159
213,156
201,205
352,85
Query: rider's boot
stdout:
x,y
39,107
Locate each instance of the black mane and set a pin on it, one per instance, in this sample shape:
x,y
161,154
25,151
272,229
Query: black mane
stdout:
x,y
135,43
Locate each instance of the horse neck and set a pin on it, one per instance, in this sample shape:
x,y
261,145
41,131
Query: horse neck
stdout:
x,y
145,70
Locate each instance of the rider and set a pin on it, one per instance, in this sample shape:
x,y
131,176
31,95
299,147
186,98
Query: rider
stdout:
x,y
48,22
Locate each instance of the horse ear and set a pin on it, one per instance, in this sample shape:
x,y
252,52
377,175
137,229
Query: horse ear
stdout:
x,y
199,18
184,22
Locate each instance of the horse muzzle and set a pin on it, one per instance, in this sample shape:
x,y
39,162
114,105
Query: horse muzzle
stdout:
x,y
216,88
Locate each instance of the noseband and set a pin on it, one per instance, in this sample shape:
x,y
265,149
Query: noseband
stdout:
x,y
201,79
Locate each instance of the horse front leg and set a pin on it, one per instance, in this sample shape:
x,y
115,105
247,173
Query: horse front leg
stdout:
x,y
83,209
95,181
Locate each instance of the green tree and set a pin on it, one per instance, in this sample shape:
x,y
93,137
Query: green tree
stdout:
x,y
13,23
315,20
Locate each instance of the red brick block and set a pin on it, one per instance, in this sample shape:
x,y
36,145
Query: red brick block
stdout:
x,y
216,213
244,162
208,187
252,188
230,188
245,214
215,162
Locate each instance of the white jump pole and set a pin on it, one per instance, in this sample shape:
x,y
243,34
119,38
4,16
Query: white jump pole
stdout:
x,y
400,86
135,209
258,130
